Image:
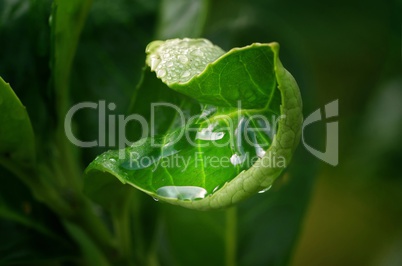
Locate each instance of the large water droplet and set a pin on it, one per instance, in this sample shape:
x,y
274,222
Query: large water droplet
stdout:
x,y
265,189
206,134
182,192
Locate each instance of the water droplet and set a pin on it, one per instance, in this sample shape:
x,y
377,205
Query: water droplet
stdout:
x,y
206,134
186,74
215,189
236,159
265,189
259,151
182,192
155,199
154,62
197,52
183,59
112,160
161,73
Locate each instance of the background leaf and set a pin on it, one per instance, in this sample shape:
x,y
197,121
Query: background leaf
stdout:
x,y
17,143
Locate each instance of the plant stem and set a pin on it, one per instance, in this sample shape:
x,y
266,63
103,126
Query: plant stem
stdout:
x,y
231,236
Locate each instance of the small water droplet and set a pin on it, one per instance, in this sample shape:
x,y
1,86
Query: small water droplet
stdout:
x,y
265,189
197,52
186,74
154,62
236,159
182,192
155,199
215,189
259,151
183,59
112,160
161,73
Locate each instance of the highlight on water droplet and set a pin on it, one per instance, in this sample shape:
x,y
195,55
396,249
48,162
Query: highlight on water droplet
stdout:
x,y
259,151
183,59
182,192
265,189
207,134
161,73
186,74
215,189
236,159
155,60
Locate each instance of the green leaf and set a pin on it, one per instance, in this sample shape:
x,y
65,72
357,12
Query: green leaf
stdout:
x,y
67,21
17,142
224,154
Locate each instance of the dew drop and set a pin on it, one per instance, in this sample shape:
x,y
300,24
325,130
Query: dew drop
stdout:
x,y
206,134
215,189
155,199
183,59
154,62
186,74
197,52
161,73
259,151
265,189
236,159
182,192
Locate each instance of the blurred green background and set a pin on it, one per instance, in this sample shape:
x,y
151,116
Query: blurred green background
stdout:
x,y
350,214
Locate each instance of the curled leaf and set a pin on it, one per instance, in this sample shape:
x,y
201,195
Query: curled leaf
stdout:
x,y
242,138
